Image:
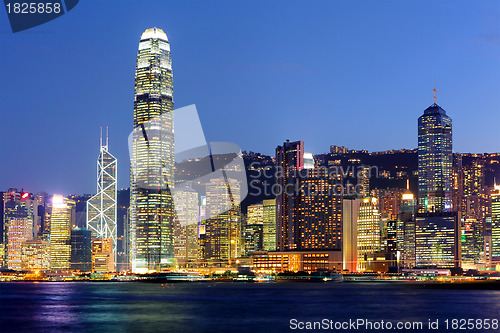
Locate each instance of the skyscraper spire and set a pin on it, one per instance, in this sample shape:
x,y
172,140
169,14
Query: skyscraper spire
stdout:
x,y
107,137
434,91
100,138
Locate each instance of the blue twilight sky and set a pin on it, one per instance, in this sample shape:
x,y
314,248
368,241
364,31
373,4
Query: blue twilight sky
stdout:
x,y
355,73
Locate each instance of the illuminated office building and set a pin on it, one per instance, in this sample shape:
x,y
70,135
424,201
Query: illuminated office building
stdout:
x,y
269,225
309,204
436,240
36,255
253,238
406,229
101,208
472,245
390,201
81,249
103,259
223,240
319,210
368,231
186,244
63,211
289,159
365,181
297,261
495,224
17,223
255,214
435,160
350,213
3,259
254,229
152,156
20,230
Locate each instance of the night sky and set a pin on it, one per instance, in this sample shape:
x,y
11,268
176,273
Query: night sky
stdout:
x,y
355,74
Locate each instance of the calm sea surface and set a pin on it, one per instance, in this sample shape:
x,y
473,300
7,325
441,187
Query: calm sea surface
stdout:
x,y
229,307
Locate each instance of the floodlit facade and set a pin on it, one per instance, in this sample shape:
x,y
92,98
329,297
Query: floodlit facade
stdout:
x,y
36,255
435,158
152,157
101,208
350,212
255,214
368,231
63,211
20,230
269,225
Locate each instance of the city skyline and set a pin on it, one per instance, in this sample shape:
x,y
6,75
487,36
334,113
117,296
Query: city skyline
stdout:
x,y
317,151
396,70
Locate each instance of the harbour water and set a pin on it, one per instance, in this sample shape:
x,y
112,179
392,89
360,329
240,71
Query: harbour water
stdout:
x,y
232,307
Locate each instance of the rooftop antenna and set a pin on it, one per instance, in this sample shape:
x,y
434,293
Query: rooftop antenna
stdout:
x,y
100,140
407,183
107,137
434,91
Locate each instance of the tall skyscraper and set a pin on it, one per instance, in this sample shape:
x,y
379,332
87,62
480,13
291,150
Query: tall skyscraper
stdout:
x,y
152,156
436,225
101,208
289,158
435,158
309,202
63,211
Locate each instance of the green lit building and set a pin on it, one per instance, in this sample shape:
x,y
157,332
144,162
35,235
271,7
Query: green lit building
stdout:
x,y
495,224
